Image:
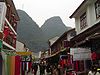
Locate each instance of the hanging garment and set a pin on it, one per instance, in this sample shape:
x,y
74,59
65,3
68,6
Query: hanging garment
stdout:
x,y
17,65
8,65
1,60
22,68
12,65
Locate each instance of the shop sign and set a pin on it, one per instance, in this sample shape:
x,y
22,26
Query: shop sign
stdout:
x,y
80,53
24,53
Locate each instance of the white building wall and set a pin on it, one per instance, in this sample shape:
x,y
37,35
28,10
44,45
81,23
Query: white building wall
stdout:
x,y
91,17
91,14
77,23
68,37
19,46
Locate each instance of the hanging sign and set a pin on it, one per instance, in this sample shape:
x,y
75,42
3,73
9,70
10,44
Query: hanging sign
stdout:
x,y
24,53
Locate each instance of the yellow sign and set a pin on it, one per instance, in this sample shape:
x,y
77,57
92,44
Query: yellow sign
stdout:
x,y
24,53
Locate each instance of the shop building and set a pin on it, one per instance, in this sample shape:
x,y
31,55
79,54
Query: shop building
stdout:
x,y
87,26
60,48
8,26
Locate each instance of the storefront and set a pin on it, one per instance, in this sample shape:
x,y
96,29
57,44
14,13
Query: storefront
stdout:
x,y
56,58
25,62
81,59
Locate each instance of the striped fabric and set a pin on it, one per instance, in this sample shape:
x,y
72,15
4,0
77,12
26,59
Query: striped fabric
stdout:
x,y
12,71
8,65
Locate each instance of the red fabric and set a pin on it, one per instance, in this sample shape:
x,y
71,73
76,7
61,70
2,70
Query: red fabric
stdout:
x,y
17,65
6,32
76,66
29,65
94,56
68,62
62,63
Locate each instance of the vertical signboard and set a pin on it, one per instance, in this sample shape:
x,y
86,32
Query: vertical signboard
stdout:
x,y
2,15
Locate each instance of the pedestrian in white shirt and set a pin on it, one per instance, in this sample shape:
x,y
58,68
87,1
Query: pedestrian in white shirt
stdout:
x,y
92,71
98,71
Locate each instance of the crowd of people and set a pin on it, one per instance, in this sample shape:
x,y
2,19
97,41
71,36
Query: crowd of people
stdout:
x,y
95,70
55,69
50,69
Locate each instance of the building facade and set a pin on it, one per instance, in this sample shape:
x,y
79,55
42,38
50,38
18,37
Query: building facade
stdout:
x,y
87,26
8,33
10,26
60,50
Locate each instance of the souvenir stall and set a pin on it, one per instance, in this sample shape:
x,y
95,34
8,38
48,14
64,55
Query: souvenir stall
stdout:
x,y
9,59
81,59
25,62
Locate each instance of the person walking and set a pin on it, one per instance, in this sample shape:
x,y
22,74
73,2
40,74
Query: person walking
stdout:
x,y
48,69
98,71
34,68
92,71
42,68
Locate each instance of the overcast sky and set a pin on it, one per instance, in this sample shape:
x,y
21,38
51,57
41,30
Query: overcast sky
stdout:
x,y
41,10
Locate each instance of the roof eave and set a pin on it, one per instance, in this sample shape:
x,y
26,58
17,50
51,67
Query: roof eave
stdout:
x,y
73,15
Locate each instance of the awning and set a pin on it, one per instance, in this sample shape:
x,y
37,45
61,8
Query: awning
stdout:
x,y
8,52
56,53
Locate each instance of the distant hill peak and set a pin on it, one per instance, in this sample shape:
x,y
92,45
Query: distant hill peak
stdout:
x,y
55,18
37,38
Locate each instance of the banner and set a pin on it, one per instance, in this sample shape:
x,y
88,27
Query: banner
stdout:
x,y
2,14
24,53
80,53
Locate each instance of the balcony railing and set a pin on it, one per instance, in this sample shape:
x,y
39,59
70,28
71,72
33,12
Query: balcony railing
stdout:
x,y
11,27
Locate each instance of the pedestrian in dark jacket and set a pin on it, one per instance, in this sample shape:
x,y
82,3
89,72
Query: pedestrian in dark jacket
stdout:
x,y
34,68
48,69
42,69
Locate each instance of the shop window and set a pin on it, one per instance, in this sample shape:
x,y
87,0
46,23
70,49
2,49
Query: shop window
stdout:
x,y
97,8
83,21
72,34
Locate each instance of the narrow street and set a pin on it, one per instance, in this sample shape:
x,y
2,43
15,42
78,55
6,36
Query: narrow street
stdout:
x,y
48,42
38,72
